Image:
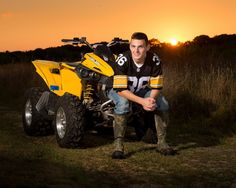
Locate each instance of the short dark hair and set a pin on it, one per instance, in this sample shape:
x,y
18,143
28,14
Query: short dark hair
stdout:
x,y
140,36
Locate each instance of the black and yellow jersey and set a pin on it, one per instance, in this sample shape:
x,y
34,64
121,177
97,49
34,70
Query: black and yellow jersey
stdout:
x,y
129,75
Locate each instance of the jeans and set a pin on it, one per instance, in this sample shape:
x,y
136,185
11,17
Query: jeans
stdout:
x,y
122,105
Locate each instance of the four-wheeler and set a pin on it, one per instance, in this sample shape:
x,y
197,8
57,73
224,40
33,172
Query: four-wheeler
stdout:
x,y
75,98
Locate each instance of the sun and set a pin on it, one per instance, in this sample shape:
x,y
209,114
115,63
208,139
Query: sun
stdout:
x,y
173,41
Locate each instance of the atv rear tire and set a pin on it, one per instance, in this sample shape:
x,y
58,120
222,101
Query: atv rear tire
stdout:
x,y
69,121
35,123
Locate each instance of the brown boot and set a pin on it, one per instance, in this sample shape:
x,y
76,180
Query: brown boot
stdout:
x,y
161,122
120,122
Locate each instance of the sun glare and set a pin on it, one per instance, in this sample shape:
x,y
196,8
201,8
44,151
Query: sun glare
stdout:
x,y
173,42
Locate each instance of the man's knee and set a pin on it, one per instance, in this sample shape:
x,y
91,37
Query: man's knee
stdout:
x,y
121,103
122,106
162,104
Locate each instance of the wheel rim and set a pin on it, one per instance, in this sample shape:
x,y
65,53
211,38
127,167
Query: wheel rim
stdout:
x,y
61,122
28,112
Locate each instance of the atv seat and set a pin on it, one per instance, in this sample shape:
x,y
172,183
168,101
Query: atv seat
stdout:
x,y
73,64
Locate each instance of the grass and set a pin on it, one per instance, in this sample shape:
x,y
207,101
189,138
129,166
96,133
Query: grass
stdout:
x,y
203,161
202,129
15,79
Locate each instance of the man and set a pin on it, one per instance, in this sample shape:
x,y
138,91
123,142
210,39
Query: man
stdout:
x,y
138,78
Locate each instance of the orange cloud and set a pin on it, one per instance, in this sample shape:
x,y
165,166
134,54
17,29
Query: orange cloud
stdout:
x,y
6,15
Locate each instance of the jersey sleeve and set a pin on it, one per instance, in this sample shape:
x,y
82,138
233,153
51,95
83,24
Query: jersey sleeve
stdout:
x,y
120,79
156,79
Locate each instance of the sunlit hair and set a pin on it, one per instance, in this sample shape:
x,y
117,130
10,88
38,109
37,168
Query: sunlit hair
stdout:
x,y
140,36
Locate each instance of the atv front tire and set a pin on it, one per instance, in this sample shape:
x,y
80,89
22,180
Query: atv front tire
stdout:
x,y
69,121
35,123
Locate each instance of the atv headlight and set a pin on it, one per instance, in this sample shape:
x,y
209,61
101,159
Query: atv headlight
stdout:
x,y
94,75
83,73
87,74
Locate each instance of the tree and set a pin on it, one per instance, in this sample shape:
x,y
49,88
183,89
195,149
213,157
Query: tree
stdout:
x,y
201,39
154,42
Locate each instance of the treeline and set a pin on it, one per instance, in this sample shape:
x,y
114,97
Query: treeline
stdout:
x,y
62,53
203,51
221,46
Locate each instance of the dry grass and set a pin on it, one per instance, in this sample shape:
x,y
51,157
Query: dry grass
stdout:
x,y
39,162
193,91
15,79
198,92
199,98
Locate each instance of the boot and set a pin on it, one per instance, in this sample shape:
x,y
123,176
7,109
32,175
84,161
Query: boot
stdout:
x,y
120,122
161,122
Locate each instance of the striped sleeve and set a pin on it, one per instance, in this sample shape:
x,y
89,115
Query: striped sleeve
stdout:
x,y
120,81
156,82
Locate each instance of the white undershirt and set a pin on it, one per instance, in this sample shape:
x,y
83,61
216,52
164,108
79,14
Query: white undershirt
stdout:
x,y
138,65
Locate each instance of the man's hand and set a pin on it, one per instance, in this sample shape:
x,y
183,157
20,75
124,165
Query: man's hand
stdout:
x,y
149,104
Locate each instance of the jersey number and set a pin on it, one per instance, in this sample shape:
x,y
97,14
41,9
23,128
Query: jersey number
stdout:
x,y
121,60
138,84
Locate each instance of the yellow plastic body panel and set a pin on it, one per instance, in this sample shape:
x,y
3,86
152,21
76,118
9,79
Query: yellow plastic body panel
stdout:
x,y
97,64
59,77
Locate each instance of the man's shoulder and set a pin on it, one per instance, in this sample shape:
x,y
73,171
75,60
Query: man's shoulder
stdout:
x,y
153,58
123,58
126,54
151,54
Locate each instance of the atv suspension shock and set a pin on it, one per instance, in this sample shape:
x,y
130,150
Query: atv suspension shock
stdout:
x,y
88,94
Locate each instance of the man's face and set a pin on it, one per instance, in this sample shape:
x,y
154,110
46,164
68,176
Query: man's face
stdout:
x,y
138,50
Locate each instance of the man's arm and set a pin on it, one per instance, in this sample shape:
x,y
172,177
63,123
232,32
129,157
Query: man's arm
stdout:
x,y
154,93
148,103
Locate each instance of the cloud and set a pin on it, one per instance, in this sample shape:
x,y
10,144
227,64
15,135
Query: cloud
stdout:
x,y
6,15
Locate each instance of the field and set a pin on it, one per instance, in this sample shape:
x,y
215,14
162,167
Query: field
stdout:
x,y
206,159
200,85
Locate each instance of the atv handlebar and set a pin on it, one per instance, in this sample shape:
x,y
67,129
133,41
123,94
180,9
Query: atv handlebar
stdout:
x,y
82,40
117,41
76,41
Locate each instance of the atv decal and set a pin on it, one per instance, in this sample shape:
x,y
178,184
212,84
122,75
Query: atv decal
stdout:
x,y
53,87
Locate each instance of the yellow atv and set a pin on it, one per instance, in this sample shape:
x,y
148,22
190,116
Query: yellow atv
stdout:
x,y
76,96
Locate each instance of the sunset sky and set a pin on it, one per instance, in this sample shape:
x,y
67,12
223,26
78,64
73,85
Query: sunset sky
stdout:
x,y
30,24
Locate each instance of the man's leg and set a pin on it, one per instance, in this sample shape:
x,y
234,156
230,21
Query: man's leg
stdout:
x,y
161,117
161,123
120,123
119,127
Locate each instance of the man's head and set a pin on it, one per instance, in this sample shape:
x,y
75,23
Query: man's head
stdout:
x,y
139,46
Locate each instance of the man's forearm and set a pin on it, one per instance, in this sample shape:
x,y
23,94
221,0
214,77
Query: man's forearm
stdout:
x,y
154,93
148,103
134,98
130,96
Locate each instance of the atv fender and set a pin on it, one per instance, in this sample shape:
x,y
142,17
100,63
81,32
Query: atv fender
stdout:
x,y
59,77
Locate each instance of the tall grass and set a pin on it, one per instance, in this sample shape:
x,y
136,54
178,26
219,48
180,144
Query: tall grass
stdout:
x,y
14,80
199,87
